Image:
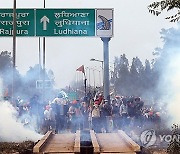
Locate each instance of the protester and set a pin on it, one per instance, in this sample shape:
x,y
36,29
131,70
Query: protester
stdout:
x,y
61,114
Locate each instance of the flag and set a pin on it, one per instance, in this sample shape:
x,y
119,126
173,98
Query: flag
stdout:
x,y
81,69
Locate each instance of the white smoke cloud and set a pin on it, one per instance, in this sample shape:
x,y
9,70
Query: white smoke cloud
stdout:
x,y
1,88
10,129
170,82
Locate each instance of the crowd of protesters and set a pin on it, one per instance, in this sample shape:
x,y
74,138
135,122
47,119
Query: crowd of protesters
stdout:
x,y
91,112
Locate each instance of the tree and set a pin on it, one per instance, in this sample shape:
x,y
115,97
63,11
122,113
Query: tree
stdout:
x,y
157,8
170,48
147,69
134,84
29,82
6,70
136,77
148,78
138,64
174,145
121,75
5,61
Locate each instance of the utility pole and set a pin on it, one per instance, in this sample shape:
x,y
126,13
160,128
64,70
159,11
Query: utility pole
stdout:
x,y
44,57
102,63
14,48
39,58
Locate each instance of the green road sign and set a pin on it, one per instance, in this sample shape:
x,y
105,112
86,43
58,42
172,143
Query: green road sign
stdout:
x,y
47,84
72,96
65,22
25,22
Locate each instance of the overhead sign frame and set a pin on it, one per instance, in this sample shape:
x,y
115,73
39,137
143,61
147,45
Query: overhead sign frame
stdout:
x,y
58,22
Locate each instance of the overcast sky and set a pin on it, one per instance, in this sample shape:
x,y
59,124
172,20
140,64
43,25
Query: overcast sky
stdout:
x,y
136,33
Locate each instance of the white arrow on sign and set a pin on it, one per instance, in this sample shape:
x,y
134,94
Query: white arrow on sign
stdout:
x,y
44,20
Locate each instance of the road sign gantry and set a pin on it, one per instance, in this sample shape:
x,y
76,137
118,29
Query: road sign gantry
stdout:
x,y
57,22
62,22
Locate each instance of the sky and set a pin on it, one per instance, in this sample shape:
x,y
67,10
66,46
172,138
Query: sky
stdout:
x,y
136,33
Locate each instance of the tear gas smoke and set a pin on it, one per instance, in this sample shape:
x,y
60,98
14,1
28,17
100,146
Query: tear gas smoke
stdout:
x,y
170,82
1,88
10,129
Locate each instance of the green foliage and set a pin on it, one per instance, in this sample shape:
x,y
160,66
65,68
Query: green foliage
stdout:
x,y
5,61
157,8
29,81
121,74
174,145
6,70
134,79
25,85
170,48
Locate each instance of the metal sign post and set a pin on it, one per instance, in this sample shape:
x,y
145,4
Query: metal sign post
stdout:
x,y
104,18
106,66
44,61
14,48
